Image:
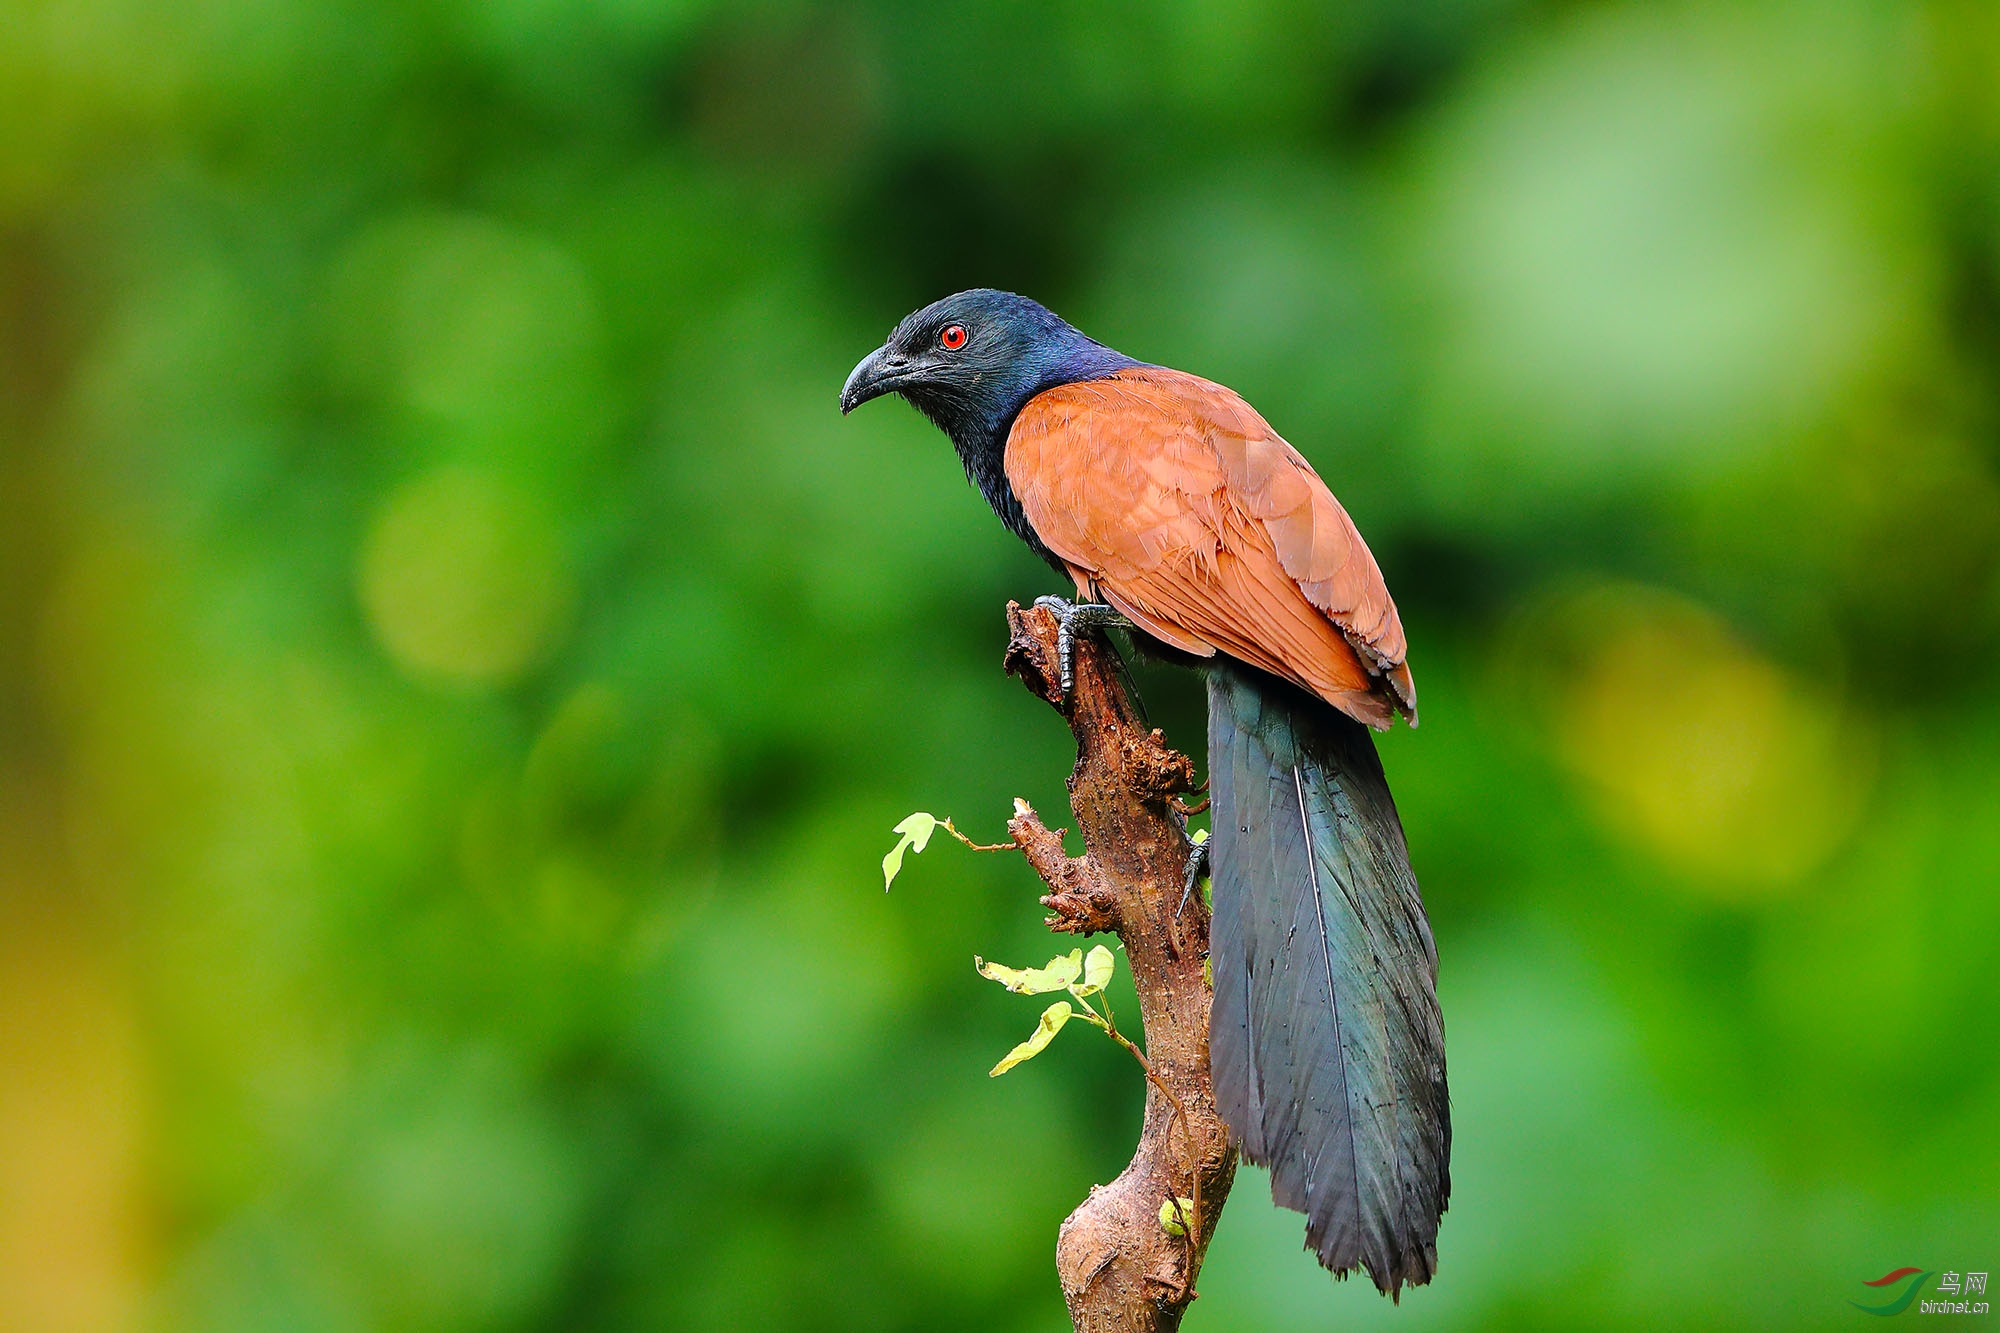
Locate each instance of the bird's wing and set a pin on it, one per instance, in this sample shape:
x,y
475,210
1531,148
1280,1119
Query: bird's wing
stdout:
x,y
1180,505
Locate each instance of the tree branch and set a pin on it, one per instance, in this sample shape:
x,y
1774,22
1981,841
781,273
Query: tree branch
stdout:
x,y
1120,1269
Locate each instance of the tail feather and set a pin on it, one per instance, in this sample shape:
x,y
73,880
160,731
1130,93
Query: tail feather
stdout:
x,y
1326,1042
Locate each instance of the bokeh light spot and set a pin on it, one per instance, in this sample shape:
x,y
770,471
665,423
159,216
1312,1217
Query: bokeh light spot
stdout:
x,y
477,341
485,313
1694,746
462,579
1643,252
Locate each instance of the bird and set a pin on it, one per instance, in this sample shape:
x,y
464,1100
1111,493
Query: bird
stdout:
x,y
1176,510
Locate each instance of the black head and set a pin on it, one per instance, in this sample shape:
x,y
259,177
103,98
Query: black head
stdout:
x,y
970,361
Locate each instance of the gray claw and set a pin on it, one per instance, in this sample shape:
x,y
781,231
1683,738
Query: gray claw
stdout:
x,y
1072,619
1197,863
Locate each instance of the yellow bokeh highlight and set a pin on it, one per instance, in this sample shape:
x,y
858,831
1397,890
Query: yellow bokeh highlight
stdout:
x,y
71,1130
1700,750
462,579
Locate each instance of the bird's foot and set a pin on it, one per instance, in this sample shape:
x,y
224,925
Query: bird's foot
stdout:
x,y
1073,619
1197,867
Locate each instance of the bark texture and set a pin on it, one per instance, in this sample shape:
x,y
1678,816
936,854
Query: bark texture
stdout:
x,y
1120,1269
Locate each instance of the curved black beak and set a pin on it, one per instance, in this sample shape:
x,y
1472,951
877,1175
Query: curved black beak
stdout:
x,y
878,373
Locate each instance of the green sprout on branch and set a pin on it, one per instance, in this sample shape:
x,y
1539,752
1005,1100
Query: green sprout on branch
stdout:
x,y
1082,976
915,835
1078,974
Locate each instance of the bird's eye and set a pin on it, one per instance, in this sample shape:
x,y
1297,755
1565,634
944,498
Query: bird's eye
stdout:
x,y
953,337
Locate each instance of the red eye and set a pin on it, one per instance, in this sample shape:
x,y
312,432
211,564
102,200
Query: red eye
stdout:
x,y
953,336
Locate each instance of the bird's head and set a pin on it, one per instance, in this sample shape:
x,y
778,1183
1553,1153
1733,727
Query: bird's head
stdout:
x,y
969,361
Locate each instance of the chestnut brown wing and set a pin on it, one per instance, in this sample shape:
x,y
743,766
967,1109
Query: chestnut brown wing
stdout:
x,y
1171,498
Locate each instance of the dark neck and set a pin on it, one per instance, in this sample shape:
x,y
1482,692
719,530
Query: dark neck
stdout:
x,y
979,424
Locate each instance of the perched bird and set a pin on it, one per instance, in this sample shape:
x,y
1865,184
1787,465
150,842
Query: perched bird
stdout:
x,y
1169,502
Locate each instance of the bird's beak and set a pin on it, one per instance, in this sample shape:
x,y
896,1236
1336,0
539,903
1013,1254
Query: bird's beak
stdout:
x,y
879,372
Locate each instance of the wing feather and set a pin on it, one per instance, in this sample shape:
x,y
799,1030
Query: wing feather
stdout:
x,y
1172,499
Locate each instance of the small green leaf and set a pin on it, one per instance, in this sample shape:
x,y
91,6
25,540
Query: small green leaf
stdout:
x,y
1034,980
916,830
1097,970
1198,837
1171,1215
1052,1022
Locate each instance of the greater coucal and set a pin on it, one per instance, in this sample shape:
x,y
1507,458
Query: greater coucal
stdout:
x,y
1169,500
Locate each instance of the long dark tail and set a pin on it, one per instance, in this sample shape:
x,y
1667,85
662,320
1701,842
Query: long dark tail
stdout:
x,y
1326,1041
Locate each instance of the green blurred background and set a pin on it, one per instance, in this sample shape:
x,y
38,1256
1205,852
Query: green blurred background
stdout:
x,y
458,670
